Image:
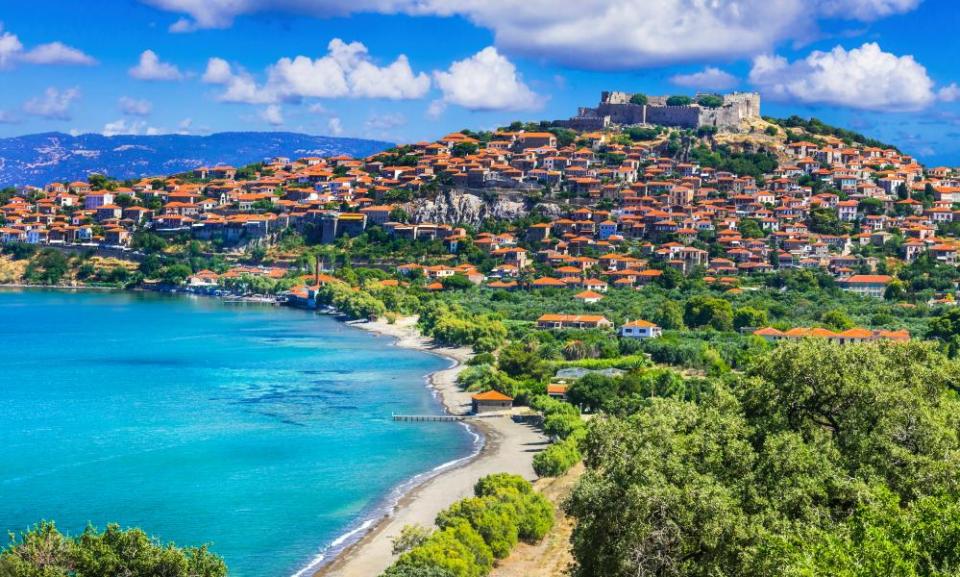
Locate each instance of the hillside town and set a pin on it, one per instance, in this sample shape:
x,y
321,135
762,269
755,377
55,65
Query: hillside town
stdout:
x,y
628,210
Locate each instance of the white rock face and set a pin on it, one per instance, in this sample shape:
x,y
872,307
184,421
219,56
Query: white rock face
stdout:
x,y
457,207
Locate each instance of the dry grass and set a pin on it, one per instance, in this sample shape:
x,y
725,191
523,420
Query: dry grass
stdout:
x,y
551,557
11,271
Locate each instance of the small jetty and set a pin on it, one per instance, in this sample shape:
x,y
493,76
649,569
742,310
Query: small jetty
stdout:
x,y
430,418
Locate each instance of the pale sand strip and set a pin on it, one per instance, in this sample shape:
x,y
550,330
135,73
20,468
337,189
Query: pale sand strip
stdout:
x,y
509,448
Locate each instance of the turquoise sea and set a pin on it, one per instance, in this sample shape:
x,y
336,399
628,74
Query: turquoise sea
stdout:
x,y
263,431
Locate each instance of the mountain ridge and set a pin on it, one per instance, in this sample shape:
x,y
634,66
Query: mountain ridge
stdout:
x,y
37,159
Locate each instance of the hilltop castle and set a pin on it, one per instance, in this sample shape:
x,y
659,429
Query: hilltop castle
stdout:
x,y
616,108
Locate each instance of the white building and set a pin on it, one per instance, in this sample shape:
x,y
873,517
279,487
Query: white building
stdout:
x,y
640,330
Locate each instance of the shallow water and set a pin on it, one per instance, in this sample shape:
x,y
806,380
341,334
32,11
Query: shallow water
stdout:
x,y
265,432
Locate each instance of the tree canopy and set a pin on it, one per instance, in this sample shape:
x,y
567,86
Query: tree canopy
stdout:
x,y
44,551
819,461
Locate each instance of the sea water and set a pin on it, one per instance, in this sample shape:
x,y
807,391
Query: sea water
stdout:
x,y
262,431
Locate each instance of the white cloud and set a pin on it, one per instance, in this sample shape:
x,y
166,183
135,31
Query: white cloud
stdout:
x,y
218,71
272,115
6,117
710,78
10,49
346,71
334,126
53,104
123,126
486,81
436,109
949,93
134,106
866,10
150,67
12,52
595,34
184,126
383,122
396,81
866,78
57,53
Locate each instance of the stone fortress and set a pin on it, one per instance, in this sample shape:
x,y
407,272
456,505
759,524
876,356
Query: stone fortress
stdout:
x,y
615,108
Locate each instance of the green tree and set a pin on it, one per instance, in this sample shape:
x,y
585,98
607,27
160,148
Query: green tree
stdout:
x,y
45,552
837,320
669,316
946,329
821,460
457,282
749,317
750,228
825,221
679,101
175,274
706,311
639,99
710,101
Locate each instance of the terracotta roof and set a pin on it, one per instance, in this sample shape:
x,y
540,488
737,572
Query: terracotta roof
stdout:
x,y
491,396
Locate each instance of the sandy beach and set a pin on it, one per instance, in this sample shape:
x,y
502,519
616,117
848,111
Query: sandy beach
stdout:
x,y
509,448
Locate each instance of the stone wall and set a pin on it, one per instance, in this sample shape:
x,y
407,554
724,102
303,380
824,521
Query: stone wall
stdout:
x,y
680,116
616,108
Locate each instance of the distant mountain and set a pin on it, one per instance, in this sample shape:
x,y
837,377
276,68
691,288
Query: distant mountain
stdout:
x,y
38,159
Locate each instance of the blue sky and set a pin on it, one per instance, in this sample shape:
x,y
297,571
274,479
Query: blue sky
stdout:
x,y
407,70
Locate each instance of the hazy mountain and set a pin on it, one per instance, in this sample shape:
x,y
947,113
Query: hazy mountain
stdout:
x,y
38,159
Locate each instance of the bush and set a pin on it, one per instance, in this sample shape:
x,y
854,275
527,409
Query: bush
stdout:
x,y
475,531
557,459
490,517
459,549
410,536
562,425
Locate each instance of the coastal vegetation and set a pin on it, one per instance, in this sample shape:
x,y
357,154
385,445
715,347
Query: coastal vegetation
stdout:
x,y
473,533
43,551
710,447
817,460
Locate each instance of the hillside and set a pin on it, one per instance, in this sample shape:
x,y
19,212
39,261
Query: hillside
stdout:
x,y
38,159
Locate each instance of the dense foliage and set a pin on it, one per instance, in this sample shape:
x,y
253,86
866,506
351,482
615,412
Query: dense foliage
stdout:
x,y
820,461
473,532
44,551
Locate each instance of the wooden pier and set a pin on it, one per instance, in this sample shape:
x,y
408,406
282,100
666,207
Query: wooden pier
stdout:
x,y
430,418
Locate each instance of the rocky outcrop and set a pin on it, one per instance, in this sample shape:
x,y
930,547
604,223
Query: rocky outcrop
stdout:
x,y
459,207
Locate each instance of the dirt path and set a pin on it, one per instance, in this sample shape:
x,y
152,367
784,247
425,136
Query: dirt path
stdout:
x,y
551,557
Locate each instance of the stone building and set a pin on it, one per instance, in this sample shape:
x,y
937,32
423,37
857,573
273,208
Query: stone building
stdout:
x,y
615,108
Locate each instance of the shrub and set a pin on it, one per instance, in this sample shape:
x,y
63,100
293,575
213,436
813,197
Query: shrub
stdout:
x,y
557,459
492,518
459,550
475,531
410,536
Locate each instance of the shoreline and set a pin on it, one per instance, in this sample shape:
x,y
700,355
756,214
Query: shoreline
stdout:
x,y
506,447
501,446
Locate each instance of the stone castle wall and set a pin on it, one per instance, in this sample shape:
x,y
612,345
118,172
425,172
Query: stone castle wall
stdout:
x,y
679,116
616,108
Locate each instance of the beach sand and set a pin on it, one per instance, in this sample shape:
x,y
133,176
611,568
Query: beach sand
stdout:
x,y
509,448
